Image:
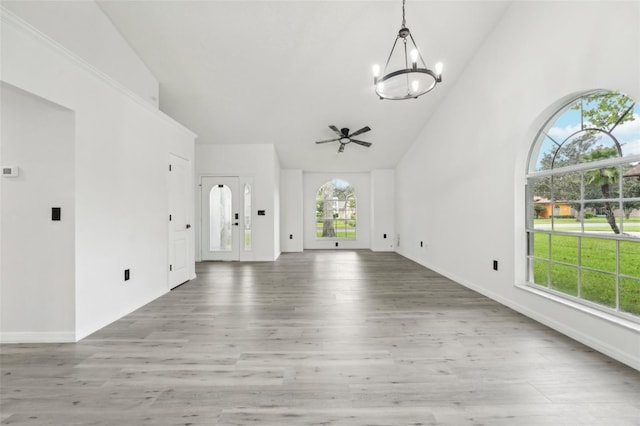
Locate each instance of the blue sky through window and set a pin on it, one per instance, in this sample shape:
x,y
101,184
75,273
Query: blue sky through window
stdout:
x,y
568,122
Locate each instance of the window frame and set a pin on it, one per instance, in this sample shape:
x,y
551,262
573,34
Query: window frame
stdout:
x,y
581,168
351,195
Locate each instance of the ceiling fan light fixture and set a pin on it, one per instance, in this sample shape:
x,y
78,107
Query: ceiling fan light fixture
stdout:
x,y
345,138
405,74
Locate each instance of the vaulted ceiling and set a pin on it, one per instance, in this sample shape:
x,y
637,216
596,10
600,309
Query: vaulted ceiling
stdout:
x,y
280,72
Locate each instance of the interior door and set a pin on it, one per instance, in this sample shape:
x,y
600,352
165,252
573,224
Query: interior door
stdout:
x,y
179,229
221,221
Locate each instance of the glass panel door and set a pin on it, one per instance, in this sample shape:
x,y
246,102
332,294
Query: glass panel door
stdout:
x,y
220,218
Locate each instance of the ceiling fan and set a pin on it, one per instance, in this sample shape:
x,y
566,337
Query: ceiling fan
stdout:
x,y
345,138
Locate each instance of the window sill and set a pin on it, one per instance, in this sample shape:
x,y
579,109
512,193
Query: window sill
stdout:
x,y
614,319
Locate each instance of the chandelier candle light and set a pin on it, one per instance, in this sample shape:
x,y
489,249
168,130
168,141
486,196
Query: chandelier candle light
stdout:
x,y
405,74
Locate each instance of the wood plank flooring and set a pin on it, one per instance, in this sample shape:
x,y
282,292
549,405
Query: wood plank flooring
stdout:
x,y
318,338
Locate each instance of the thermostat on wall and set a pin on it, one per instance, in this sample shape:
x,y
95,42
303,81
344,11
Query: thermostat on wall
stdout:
x,y
9,171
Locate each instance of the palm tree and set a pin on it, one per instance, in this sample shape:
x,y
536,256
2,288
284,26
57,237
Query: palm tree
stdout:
x,y
604,178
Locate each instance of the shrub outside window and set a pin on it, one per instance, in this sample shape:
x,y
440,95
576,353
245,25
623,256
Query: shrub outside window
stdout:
x,y
583,204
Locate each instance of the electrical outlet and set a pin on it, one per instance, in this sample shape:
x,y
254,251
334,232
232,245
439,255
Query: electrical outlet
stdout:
x,y
421,244
336,244
495,265
291,236
126,275
384,235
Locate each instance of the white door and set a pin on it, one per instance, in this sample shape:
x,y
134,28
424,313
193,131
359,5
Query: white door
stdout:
x,y
221,220
179,228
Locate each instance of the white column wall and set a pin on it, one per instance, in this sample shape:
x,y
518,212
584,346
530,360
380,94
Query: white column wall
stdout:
x,y
383,205
291,235
37,262
121,157
277,200
460,187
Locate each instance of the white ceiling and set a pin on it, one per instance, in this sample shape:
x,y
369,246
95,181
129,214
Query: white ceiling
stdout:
x,y
280,72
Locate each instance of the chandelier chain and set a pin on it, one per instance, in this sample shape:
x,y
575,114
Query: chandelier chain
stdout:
x,y
404,22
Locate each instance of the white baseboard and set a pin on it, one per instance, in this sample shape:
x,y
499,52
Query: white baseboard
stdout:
x,y
97,324
37,337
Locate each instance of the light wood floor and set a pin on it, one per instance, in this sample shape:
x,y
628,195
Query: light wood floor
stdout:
x,y
318,338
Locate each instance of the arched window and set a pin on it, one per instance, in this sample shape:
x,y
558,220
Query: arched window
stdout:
x,y
583,204
336,210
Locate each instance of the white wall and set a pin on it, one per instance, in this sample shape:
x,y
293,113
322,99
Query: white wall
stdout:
x,y
84,29
383,204
37,263
121,150
361,183
260,163
461,185
291,211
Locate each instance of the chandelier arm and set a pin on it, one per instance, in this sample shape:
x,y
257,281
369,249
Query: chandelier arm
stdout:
x,y
404,21
424,64
406,57
384,72
406,63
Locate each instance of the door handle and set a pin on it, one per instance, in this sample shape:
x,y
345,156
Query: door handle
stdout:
x,y
188,226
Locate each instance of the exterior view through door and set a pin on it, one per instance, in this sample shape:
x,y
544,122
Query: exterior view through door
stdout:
x,y
226,216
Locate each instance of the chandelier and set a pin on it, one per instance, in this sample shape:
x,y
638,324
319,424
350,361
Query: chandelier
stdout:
x,y
405,74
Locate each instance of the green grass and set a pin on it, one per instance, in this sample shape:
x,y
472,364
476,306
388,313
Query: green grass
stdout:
x,y
599,287
344,228
599,254
630,296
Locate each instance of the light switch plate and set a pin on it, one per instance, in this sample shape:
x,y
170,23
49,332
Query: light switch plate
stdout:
x,y
10,171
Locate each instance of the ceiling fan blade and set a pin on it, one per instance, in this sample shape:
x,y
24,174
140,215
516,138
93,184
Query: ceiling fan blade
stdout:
x,y
361,131
363,143
341,147
329,140
335,129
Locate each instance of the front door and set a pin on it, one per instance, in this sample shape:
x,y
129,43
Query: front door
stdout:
x,y
221,219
